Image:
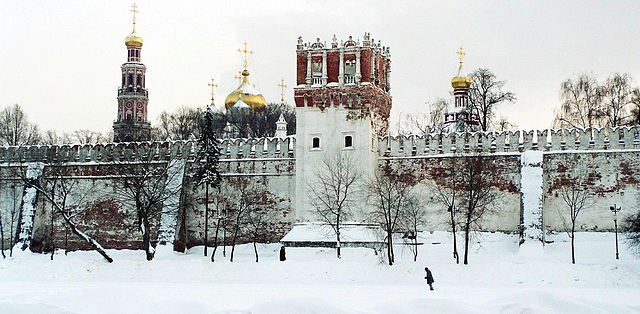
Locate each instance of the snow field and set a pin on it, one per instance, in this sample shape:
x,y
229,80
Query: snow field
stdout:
x,y
499,279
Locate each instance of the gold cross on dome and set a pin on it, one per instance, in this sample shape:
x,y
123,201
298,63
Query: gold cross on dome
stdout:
x,y
239,77
282,85
213,87
134,11
245,51
461,54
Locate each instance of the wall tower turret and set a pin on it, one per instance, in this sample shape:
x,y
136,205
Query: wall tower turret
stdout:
x,y
342,105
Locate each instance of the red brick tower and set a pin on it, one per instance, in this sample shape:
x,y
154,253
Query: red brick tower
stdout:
x,y
353,75
133,98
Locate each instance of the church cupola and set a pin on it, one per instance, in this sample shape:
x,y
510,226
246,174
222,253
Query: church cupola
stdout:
x,y
245,92
131,122
462,117
133,41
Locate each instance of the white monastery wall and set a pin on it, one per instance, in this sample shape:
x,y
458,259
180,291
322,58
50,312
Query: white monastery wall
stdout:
x,y
611,157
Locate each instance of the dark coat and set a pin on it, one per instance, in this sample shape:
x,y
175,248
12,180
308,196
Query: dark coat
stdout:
x,y
283,254
429,277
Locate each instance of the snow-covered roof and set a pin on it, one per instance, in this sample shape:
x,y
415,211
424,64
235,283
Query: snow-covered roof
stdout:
x,y
240,104
322,232
246,88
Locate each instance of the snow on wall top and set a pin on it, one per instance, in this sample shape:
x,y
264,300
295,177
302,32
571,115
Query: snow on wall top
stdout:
x,y
511,141
272,147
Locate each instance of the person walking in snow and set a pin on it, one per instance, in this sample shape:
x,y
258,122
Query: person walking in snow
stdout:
x,y
429,278
283,254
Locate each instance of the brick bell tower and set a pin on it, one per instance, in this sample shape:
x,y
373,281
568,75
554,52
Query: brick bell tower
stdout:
x,y
342,105
131,123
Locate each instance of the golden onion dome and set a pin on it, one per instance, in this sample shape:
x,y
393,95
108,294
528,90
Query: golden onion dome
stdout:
x,y
460,82
133,40
247,94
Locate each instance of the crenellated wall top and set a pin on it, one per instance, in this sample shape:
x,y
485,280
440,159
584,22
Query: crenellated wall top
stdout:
x,y
136,151
514,141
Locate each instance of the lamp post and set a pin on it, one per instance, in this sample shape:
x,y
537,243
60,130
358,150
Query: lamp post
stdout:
x,y
615,209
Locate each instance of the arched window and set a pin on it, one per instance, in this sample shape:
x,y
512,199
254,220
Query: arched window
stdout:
x,y
315,143
348,141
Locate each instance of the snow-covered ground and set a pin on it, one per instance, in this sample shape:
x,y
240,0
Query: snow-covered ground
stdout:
x,y
499,279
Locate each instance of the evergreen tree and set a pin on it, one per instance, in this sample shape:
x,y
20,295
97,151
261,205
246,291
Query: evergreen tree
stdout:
x,y
206,171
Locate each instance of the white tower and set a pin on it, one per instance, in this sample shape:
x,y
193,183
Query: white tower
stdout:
x,y
342,105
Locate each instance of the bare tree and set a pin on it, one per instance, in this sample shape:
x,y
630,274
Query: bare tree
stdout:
x,y
143,186
581,104
485,94
414,217
162,129
15,128
52,137
180,125
390,197
477,177
332,191
259,217
88,137
221,201
446,193
58,187
403,126
247,195
185,123
437,111
420,122
263,124
635,107
467,188
573,188
617,96
503,124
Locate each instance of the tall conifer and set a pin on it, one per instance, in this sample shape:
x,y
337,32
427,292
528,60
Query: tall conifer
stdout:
x,y
207,171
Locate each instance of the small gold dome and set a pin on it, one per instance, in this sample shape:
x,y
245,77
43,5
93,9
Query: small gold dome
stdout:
x,y
133,40
460,82
248,94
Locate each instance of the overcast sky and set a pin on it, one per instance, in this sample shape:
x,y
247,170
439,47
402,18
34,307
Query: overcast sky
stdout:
x,y
60,60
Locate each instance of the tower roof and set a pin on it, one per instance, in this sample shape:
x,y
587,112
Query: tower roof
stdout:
x,y
246,93
461,80
133,40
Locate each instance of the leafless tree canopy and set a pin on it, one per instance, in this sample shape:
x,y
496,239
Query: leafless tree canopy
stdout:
x,y
180,125
143,187
467,187
332,192
485,94
15,128
391,199
414,218
587,103
247,206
